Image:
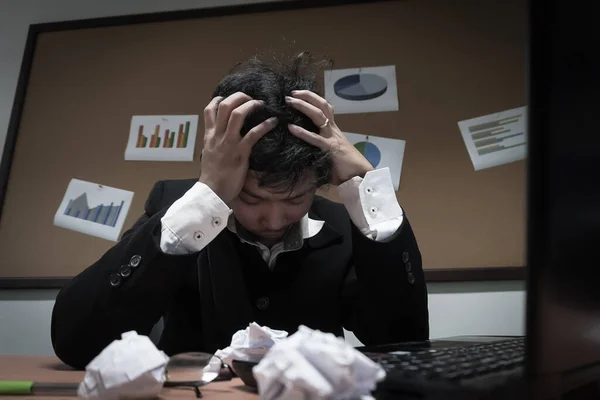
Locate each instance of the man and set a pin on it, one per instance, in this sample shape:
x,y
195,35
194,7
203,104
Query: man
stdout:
x,y
250,241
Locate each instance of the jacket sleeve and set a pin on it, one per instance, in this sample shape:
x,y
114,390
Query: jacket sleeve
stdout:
x,y
385,295
90,312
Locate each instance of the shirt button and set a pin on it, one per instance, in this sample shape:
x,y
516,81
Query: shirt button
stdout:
x,y
373,210
198,235
135,261
411,278
114,280
405,257
369,190
125,271
262,303
408,266
216,222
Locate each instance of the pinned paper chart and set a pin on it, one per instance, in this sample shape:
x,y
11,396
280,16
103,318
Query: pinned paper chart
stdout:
x,y
93,209
360,90
381,153
162,138
370,151
360,87
496,139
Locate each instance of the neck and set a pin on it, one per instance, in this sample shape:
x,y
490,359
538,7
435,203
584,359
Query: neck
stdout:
x,y
269,242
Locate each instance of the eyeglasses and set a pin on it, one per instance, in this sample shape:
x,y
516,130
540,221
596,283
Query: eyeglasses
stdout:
x,y
193,370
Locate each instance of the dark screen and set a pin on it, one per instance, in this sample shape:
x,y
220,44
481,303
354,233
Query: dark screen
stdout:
x,y
563,299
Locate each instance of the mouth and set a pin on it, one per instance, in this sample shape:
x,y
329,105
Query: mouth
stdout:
x,y
273,234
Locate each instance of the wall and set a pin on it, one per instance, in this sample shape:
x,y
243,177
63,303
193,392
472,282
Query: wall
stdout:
x,y
455,308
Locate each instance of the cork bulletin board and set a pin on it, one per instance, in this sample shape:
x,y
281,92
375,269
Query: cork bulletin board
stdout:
x,y
82,81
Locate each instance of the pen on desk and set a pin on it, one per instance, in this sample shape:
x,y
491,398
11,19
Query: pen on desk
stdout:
x,y
30,387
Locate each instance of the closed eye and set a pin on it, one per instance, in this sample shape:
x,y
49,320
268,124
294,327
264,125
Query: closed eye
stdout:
x,y
296,201
250,201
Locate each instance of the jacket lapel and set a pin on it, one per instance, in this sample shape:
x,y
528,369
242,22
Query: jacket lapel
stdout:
x,y
327,235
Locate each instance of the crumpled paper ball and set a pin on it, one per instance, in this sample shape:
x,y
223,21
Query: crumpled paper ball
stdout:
x,y
129,368
311,364
251,344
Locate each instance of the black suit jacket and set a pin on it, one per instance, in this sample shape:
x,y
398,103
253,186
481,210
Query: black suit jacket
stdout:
x,y
338,279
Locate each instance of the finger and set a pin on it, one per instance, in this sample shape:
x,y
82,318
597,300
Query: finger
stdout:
x,y
309,137
316,115
227,106
315,100
238,116
254,134
210,112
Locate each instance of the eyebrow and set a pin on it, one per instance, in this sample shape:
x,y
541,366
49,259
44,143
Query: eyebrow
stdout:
x,y
256,196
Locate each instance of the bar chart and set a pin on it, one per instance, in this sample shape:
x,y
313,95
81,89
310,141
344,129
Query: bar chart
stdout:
x,y
105,214
498,135
168,139
162,138
496,139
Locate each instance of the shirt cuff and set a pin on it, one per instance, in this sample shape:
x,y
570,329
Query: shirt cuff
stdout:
x,y
193,221
372,204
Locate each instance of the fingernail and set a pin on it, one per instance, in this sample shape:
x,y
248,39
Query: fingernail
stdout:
x,y
295,91
291,126
273,120
288,99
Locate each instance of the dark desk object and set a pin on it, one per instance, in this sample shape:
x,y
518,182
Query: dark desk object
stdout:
x,y
474,368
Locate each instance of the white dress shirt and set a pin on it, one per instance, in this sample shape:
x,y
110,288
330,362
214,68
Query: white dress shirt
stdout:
x,y
196,218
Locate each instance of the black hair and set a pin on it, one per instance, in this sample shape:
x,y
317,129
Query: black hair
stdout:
x,y
281,158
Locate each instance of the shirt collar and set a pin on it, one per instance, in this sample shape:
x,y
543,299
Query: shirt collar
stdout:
x,y
293,238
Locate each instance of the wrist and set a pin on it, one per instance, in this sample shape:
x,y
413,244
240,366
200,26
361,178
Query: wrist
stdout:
x,y
359,172
215,189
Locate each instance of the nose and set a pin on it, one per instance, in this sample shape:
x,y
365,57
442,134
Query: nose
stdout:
x,y
274,218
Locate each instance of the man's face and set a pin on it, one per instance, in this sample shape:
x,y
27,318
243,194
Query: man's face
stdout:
x,y
268,213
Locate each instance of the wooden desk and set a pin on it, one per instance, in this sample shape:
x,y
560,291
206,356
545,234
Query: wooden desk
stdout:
x,y
51,369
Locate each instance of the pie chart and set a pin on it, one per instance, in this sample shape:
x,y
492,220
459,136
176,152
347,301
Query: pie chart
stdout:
x,y
370,151
359,87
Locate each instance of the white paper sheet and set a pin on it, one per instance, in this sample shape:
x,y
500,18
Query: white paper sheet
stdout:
x,y
251,344
312,364
93,209
130,368
162,138
362,90
496,139
381,153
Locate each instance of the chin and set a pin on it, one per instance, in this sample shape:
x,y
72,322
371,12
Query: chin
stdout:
x,y
271,235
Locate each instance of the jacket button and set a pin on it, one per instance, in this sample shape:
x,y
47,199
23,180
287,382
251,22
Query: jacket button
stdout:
x,y
408,267
114,280
405,257
411,278
135,261
262,303
125,271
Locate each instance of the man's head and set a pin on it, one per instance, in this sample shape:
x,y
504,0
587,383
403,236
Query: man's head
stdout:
x,y
284,171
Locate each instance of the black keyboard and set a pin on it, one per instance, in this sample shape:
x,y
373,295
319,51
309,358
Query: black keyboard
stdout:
x,y
455,363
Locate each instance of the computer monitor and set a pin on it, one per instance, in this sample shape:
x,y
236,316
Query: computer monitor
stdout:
x,y
563,282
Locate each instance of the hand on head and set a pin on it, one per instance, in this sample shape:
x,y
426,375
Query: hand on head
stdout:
x,y
225,157
348,162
